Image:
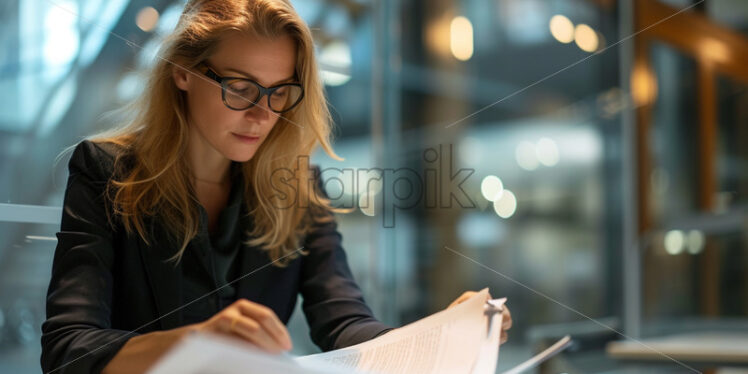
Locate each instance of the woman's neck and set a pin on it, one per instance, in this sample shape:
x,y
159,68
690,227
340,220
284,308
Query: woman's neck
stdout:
x,y
207,164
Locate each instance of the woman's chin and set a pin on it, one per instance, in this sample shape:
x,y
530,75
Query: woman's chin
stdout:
x,y
243,155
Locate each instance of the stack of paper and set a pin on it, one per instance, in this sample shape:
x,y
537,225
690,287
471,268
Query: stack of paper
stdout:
x,y
461,339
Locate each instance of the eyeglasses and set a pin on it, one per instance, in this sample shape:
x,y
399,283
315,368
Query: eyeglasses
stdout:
x,y
241,93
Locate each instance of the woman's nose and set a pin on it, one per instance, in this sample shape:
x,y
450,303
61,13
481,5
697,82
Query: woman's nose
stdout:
x,y
259,111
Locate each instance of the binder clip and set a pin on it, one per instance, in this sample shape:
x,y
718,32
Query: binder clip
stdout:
x,y
489,310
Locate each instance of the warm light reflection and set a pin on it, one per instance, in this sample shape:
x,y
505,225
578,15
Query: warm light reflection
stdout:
x,y
147,19
461,38
437,36
714,50
526,156
674,241
561,28
586,38
695,242
643,85
547,152
506,205
492,188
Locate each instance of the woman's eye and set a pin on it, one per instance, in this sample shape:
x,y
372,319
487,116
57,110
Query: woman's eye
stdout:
x,y
240,87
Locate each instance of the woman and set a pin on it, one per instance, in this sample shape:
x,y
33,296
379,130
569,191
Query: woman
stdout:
x,y
175,223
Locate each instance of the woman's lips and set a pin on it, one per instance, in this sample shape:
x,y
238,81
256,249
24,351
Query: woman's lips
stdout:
x,y
247,139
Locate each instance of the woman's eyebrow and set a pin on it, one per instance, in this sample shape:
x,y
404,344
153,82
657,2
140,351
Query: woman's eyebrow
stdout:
x,y
250,76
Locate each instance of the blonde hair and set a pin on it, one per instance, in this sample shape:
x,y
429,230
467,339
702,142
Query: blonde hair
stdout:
x,y
156,139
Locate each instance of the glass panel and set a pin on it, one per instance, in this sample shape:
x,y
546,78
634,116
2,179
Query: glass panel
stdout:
x,y
554,146
684,276
674,145
732,156
730,13
47,49
692,259
25,262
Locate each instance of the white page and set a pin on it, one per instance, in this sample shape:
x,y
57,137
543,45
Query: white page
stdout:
x,y
207,353
445,342
450,341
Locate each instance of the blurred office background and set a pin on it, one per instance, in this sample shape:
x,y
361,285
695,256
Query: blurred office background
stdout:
x,y
608,143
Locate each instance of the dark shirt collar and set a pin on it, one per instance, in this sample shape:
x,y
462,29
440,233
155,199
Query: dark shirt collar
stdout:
x,y
229,219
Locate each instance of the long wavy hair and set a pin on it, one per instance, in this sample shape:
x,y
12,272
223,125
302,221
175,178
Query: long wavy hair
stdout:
x,y
157,182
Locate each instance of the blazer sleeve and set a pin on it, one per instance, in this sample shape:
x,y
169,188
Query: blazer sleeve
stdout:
x,y
333,304
77,336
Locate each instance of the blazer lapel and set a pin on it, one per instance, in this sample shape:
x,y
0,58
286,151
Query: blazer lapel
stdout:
x,y
164,277
254,270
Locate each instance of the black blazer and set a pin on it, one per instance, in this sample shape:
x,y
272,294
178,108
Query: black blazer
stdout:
x,y
108,286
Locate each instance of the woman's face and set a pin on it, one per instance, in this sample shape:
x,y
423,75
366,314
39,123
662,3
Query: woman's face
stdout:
x,y
236,134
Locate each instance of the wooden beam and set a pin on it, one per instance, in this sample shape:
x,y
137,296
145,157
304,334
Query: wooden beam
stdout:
x,y
707,95
696,35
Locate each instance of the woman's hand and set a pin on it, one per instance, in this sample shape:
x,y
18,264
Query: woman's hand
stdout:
x,y
506,320
252,322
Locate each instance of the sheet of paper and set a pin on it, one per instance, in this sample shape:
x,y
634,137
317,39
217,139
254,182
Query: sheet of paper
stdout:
x,y
446,342
456,340
205,353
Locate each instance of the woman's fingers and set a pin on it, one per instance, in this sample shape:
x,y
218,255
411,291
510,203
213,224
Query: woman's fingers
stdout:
x,y
253,322
506,319
252,331
506,324
268,321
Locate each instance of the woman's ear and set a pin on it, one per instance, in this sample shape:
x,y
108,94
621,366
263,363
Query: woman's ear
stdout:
x,y
181,77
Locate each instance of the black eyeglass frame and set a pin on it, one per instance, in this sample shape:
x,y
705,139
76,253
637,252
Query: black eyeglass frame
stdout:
x,y
223,81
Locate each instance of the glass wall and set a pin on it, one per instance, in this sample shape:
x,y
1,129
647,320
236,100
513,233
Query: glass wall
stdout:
x,y
527,107
61,69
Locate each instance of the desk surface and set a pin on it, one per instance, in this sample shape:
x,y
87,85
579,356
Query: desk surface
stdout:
x,y
720,347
